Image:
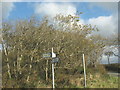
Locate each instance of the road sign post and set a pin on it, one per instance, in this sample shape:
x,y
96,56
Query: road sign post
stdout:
x,y
53,56
53,75
54,60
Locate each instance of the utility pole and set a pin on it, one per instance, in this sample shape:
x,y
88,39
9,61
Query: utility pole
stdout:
x,y
84,69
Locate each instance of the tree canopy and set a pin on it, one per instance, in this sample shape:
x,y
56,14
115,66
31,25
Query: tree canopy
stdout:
x,y
24,42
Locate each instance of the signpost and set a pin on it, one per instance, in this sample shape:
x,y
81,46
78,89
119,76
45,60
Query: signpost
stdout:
x,y
53,56
53,75
54,60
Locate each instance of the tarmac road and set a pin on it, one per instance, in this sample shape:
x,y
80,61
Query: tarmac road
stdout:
x,y
114,74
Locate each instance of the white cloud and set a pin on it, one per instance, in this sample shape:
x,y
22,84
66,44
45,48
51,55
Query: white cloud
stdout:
x,y
59,0
107,25
110,6
11,0
6,9
52,9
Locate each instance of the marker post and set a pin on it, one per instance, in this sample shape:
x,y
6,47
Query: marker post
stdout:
x,y
84,70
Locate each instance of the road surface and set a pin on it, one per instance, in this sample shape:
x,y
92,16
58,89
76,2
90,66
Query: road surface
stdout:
x,y
114,74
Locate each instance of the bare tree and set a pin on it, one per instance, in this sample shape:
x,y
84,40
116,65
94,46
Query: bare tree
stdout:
x,y
109,54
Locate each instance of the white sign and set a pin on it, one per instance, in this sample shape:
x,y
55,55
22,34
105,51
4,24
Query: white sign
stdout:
x,y
47,55
53,54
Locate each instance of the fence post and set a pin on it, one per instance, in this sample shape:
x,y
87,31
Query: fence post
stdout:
x,y
84,69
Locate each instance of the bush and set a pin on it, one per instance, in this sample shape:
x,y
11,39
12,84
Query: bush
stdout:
x,y
101,69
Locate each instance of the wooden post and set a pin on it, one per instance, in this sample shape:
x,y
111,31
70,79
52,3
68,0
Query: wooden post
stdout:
x,y
84,70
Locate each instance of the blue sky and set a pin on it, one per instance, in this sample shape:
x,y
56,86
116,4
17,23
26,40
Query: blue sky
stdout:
x,y
91,11
102,14
26,9
21,10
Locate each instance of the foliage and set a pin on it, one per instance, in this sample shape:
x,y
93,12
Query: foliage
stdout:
x,y
25,41
113,67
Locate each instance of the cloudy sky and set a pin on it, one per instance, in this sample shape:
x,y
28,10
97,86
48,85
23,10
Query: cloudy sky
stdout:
x,y
102,14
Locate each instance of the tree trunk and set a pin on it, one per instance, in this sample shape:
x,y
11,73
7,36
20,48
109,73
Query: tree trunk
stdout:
x,y
46,70
108,59
18,63
6,54
30,68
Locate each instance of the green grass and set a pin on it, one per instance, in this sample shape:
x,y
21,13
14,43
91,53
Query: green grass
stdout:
x,y
104,81
95,81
